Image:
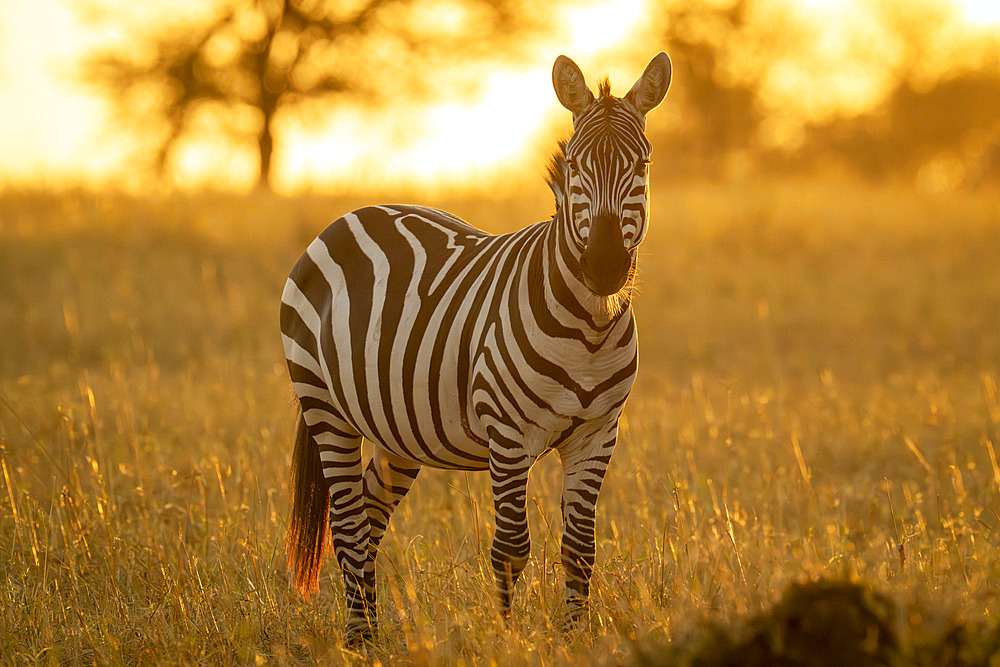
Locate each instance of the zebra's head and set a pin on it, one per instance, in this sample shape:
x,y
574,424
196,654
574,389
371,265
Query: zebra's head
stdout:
x,y
606,162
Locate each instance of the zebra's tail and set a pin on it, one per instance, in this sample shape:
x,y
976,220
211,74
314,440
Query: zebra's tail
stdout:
x,y
308,525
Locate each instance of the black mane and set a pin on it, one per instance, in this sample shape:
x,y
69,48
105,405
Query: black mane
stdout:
x,y
556,175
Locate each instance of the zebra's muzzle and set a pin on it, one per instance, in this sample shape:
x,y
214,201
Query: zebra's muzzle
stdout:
x,y
605,261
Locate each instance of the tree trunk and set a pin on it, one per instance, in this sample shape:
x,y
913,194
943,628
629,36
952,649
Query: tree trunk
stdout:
x,y
265,145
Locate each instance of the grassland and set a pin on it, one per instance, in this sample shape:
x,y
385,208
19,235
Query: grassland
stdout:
x,y
817,398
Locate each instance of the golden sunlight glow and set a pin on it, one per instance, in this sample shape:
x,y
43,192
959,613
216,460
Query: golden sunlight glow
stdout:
x,y
820,4
454,140
598,26
980,12
46,126
840,63
435,142
490,130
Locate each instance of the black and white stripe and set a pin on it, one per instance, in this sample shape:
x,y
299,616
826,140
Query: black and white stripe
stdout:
x,y
452,348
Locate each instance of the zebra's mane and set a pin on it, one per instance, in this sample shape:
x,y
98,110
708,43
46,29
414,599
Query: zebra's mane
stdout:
x,y
604,87
557,173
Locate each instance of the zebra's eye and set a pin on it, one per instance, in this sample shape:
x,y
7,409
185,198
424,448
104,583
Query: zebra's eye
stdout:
x,y
640,167
571,163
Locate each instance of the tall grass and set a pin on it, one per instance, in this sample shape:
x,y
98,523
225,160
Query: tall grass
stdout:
x,y
817,397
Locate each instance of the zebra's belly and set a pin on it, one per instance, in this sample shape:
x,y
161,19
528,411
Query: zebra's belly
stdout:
x,y
436,405
403,396
431,433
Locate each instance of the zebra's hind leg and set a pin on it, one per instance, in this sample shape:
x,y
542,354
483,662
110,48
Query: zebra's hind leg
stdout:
x,y
387,480
511,542
340,455
582,479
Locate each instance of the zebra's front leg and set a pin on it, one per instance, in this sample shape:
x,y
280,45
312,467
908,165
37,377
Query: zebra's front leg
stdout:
x,y
350,531
511,542
582,479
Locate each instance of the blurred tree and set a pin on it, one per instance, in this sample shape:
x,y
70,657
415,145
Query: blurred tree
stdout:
x,y
253,60
941,116
957,120
938,113
719,115
723,52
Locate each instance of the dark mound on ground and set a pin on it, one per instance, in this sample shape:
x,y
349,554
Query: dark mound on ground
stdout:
x,y
829,623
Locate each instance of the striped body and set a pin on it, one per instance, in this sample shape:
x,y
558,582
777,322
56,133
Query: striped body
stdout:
x,y
430,335
448,347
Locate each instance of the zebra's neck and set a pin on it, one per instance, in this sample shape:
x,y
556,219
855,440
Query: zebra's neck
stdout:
x,y
561,286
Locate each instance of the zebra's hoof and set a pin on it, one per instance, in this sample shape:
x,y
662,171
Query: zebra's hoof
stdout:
x,y
359,638
575,619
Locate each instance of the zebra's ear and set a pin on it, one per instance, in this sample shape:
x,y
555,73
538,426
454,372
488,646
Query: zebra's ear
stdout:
x,y
651,87
571,87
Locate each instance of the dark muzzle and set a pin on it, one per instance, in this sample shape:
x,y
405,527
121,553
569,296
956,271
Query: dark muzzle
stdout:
x,y
605,261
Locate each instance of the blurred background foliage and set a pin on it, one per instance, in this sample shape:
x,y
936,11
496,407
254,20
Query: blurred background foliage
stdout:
x,y
312,94
895,93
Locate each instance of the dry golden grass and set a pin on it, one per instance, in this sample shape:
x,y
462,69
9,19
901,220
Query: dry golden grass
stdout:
x,y
817,397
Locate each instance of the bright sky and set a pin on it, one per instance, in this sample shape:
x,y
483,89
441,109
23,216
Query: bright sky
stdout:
x,y
479,136
53,131
984,13
47,127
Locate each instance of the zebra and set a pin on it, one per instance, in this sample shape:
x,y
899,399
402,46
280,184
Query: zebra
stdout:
x,y
448,347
